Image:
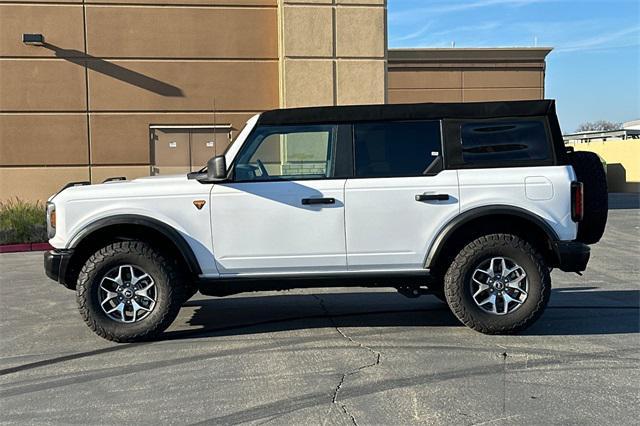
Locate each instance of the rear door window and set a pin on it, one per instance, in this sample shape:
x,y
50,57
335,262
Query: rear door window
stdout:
x,y
504,141
394,149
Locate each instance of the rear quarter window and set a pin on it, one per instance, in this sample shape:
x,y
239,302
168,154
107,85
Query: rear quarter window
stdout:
x,y
506,142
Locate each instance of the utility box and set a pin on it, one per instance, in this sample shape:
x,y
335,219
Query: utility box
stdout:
x,y
184,149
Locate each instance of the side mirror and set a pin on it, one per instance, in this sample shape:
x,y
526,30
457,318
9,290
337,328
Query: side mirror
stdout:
x,y
217,168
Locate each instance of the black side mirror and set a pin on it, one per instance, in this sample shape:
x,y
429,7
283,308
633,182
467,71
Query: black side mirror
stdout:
x,y
217,168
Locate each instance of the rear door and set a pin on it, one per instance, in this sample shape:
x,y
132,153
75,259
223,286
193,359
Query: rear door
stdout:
x,y
400,196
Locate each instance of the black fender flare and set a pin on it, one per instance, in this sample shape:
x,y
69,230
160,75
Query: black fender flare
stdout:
x,y
443,235
143,221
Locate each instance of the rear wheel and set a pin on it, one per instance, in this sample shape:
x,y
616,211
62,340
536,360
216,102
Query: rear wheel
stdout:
x,y
498,284
128,291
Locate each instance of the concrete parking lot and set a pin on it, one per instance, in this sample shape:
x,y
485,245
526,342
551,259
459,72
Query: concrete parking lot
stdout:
x,y
338,356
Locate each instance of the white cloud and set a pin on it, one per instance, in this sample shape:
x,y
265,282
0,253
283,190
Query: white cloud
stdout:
x,y
449,7
603,41
414,34
487,26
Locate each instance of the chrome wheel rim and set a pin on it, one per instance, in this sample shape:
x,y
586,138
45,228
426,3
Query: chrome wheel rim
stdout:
x,y
127,294
499,286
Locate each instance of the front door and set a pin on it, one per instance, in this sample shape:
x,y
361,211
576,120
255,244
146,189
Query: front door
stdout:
x,y
283,211
400,197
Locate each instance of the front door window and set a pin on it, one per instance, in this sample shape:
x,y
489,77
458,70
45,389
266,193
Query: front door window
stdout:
x,y
291,153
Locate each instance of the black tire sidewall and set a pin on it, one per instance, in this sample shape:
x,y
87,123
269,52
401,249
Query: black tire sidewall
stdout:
x,y
461,293
141,256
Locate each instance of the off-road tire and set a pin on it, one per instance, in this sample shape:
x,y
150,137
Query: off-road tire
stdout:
x,y
457,284
171,292
590,171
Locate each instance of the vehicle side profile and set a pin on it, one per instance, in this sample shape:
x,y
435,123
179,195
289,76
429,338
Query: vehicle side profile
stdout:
x,y
474,203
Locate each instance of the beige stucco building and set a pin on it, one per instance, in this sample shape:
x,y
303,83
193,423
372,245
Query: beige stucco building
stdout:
x,y
137,87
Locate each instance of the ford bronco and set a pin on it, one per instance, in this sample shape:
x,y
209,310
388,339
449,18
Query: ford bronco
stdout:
x,y
474,203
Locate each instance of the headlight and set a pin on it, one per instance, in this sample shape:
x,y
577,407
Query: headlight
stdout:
x,y
51,219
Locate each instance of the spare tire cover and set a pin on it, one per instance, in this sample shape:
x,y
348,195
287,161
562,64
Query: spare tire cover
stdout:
x,y
590,172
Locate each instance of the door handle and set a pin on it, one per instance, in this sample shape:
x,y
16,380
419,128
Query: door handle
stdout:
x,y
432,197
314,201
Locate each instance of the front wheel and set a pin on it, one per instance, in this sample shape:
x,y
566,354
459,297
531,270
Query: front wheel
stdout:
x,y
128,291
498,284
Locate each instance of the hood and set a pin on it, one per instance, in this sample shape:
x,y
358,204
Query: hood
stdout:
x,y
153,179
141,187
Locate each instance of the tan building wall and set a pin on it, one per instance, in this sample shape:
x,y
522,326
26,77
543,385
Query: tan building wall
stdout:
x,y
332,52
466,75
80,107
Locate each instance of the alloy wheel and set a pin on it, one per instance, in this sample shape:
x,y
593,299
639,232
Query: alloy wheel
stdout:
x,y
499,285
127,294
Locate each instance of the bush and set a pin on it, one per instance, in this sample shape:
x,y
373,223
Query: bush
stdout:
x,y
22,222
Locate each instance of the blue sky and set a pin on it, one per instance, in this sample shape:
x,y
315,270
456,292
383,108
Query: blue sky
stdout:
x,y
593,71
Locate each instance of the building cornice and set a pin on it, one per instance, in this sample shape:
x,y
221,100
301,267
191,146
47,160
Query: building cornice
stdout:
x,y
468,55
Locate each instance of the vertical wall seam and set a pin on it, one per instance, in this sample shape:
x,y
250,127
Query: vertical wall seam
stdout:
x,y
86,88
281,54
334,50
385,96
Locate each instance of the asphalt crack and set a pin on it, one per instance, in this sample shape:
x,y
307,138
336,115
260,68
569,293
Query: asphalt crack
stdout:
x,y
375,354
504,382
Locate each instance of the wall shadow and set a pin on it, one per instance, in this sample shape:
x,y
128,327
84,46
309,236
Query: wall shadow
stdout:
x,y
616,177
617,181
573,311
116,71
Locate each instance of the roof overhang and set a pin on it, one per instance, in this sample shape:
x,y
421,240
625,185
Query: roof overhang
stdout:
x,y
480,54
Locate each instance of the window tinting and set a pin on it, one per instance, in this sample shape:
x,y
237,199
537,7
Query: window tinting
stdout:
x,y
496,141
287,152
387,149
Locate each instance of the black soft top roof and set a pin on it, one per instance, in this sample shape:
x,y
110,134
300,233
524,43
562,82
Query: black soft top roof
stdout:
x,y
425,111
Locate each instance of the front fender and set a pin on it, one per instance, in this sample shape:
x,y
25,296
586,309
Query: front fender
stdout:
x,y
170,232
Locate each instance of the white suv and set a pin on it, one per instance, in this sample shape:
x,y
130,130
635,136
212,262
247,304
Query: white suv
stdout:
x,y
474,203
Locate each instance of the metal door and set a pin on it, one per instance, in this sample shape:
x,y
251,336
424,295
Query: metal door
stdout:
x,y
183,149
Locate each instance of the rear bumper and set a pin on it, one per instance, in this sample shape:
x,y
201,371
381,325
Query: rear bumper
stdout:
x,y
56,263
573,256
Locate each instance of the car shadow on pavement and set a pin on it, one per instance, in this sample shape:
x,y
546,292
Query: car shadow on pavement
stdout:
x,y
572,311
624,200
589,310
287,312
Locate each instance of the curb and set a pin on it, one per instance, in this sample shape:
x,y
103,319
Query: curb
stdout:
x,y
16,248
